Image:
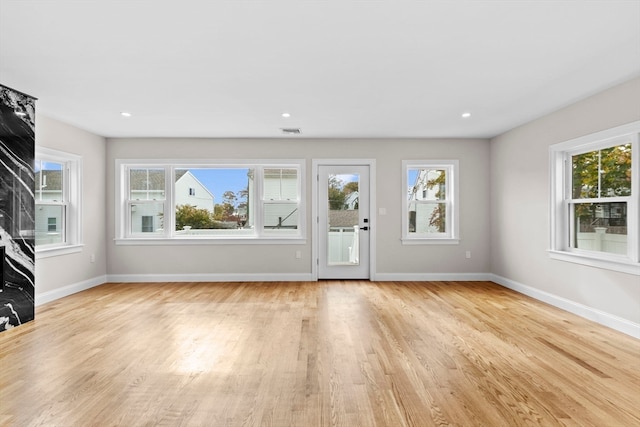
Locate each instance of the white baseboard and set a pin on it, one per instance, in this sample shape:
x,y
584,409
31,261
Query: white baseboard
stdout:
x,y
45,297
431,277
606,319
144,278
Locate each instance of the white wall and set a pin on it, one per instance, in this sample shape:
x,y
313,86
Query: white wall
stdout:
x,y
520,208
394,259
58,275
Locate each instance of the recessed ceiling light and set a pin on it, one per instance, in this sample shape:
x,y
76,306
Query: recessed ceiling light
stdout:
x,y
286,115
125,114
466,115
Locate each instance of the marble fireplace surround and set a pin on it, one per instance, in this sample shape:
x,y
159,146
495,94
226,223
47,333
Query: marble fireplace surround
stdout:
x,y
17,207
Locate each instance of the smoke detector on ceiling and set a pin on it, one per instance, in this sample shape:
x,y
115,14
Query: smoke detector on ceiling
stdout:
x,y
290,131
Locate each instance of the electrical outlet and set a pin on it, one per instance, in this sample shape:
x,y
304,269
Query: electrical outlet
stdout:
x,y
92,258
298,254
468,254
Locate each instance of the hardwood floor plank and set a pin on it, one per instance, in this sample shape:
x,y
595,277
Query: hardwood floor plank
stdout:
x,y
329,353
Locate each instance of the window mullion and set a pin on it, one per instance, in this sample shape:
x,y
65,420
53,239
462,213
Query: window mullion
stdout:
x,y
599,173
64,222
633,206
570,230
169,220
259,200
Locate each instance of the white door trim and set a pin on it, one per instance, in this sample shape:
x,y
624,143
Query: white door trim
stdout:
x,y
372,210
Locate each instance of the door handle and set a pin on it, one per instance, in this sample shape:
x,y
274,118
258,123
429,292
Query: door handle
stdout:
x,y
364,228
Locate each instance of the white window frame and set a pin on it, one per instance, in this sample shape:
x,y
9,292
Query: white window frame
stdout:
x,y
560,200
451,236
72,200
259,235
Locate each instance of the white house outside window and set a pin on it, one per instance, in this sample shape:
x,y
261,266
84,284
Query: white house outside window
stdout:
x,y
58,207
146,200
430,208
280,200
195,202
595,201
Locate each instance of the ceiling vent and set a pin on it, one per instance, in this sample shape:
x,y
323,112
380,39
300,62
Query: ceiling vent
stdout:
x,y
291,131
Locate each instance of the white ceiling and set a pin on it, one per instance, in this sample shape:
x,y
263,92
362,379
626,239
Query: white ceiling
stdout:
x,y
341,68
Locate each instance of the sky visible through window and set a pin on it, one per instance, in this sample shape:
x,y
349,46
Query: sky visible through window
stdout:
x,y
413,174
218,181
47,166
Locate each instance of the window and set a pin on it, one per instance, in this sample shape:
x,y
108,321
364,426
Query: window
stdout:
x,y
189,201
52,225
57,197
594,199
147,224
429,204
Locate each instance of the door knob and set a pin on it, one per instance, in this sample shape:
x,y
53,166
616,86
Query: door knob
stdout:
x,y
364,228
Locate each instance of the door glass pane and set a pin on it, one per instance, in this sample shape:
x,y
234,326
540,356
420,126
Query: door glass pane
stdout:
x,y
343,230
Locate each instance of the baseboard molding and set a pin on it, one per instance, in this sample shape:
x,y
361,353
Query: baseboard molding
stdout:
x,y
146,278
45,297
431,277
598,316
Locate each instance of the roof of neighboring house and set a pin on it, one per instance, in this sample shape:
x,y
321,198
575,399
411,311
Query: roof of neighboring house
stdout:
x,y
138,178
155,178
53,180
346,218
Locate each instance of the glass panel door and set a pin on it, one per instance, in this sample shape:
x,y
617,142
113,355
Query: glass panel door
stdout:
x,y
344,221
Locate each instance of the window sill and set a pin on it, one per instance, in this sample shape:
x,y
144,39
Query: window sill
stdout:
x,y
211,241
608,264
430,241
58,251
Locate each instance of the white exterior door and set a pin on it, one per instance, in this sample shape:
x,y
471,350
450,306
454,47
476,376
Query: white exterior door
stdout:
x,y
344,225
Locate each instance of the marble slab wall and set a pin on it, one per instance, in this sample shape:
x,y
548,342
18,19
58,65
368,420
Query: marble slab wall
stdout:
x,y
17,207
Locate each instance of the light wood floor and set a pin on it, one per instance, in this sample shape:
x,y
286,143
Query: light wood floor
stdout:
x,y
334,353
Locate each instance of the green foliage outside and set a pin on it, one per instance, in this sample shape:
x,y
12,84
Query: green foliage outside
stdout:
x,y
614,179
223,213
339,191
602,173
197,219
439,214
